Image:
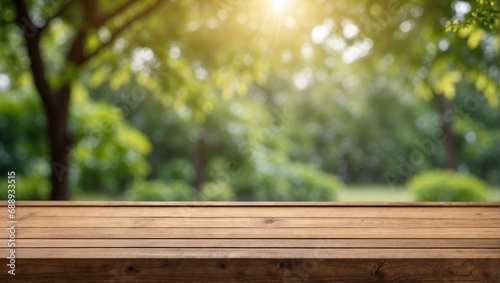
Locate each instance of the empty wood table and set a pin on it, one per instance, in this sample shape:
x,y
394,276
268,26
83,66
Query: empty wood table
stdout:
x,y
74,241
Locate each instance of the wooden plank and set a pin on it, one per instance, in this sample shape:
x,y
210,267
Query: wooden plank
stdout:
x,y
236,212
253,242
254,270
313,233
260,243
249,253
254,222
27,203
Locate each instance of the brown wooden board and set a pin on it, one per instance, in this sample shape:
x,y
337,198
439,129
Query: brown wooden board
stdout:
x,y
254,270
258,233
250,253
254,242
238,212
253,222
260,243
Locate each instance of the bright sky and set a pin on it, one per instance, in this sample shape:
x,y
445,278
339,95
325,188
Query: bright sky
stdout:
x,y
279,5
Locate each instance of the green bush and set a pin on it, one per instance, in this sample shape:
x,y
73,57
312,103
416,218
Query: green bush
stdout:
x,y
442,185
295,182
311,184
33,187
176,169
216,191
160,191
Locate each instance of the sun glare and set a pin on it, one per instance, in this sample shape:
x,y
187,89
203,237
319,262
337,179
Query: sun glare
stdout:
x,y
279,5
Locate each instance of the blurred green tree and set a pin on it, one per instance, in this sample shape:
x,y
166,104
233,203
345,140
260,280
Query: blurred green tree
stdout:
x,y
407,40
190,54
109,153
58,37
64,39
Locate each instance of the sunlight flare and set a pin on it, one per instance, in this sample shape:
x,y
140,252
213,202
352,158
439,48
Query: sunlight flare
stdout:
x,y
279,5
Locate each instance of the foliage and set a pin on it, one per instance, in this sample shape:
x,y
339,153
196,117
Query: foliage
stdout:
x,y
484,14
108,153
447,186
22,140
31,187
158,190
476,127
176,169
216,191
289,182
363,134
241,102
309,183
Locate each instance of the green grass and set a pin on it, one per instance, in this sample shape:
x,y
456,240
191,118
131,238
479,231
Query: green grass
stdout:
x,y
493,194
352,192
375,192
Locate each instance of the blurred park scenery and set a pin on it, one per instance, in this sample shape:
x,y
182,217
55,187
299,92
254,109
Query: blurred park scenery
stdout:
x,y
258,100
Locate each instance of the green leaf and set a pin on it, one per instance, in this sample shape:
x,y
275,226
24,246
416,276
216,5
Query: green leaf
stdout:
x,y
120,79
424,91
446,84
475,38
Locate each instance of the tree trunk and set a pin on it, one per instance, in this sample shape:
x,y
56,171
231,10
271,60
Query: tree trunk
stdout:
x,y
60,142
56,103
60,149
446,114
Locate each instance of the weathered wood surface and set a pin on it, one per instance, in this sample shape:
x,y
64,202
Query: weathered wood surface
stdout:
x,y
255,270
254,242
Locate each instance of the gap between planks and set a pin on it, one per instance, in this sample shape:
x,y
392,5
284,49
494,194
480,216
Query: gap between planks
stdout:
x,y
56,203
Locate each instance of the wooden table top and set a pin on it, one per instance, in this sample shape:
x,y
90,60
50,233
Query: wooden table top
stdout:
x,y
246,230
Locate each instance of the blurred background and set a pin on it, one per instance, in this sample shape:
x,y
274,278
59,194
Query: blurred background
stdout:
x,y
301,100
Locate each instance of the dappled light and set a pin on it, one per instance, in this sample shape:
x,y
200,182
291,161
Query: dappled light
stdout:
x,y
250,100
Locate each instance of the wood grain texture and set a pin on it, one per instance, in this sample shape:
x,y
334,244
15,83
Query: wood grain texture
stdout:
x,y
254,270
259,233
238,212
253,253
259,243
252,222
254,242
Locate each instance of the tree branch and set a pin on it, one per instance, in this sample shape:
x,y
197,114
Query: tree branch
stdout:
x,y
75,53
58,13
31,35
90,13
103,19
120,29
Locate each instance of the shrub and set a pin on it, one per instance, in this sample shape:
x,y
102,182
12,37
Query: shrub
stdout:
x,y
216,191
295,182
442,185
313,185
160,191
32,187
177,169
